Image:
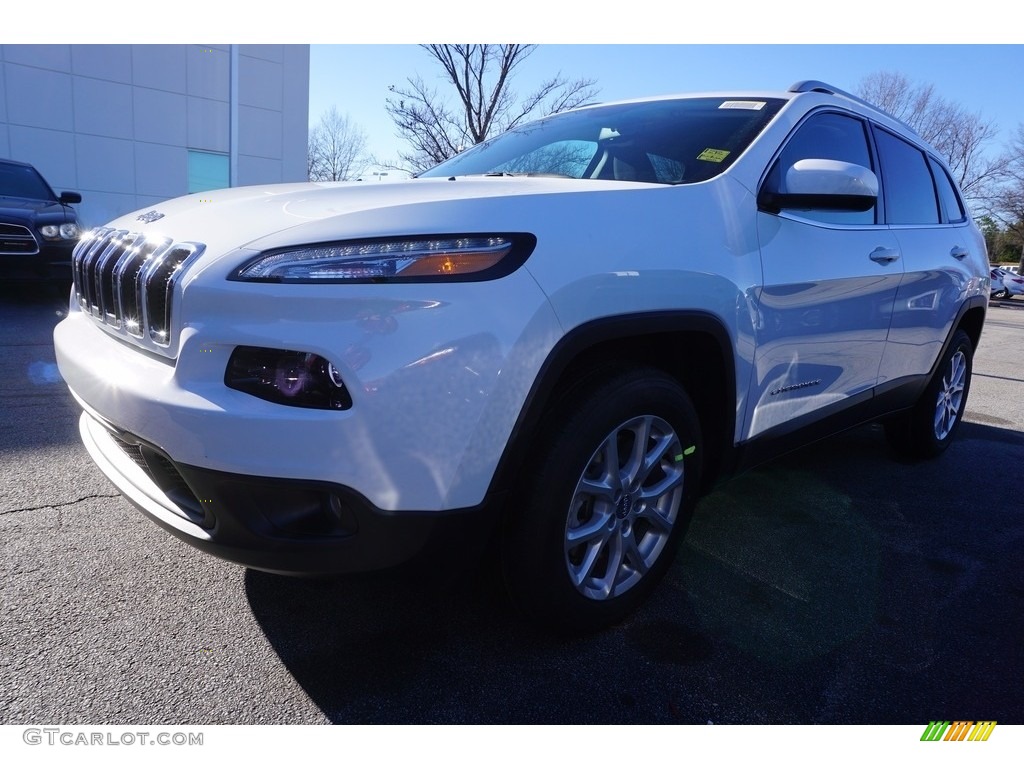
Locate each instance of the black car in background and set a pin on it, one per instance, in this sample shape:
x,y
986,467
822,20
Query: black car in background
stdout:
x,y
38,229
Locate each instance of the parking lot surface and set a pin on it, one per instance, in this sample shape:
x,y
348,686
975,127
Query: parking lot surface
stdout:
x,y
835,585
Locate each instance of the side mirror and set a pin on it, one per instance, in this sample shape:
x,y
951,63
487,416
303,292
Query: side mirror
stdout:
x,y
820,185
69,197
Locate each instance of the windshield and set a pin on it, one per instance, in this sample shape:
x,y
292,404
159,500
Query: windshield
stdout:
x,y
678,141
23,181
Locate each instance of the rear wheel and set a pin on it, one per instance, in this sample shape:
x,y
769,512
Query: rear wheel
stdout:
x,y
929,428
604,502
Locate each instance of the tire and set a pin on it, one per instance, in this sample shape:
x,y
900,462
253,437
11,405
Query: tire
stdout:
x,y
596,521
930,427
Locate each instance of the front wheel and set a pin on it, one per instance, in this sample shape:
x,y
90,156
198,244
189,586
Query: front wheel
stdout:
x,y
929,428
605,501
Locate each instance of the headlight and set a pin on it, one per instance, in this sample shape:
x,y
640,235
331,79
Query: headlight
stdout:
x,y
407,259
68,231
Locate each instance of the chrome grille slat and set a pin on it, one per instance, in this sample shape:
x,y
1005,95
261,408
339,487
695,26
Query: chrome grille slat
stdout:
x,y
128,284
160,279
126,281
108,305
85,244
92,275
86,250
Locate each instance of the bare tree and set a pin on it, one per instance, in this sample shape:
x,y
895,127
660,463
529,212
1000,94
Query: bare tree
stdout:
x,y
337,148
960,136
1008,202
481,105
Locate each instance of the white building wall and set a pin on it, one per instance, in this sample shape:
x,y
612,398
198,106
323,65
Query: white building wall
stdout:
x,y
116,122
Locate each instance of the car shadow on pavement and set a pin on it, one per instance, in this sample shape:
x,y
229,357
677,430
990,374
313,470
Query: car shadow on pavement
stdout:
x,y
832,585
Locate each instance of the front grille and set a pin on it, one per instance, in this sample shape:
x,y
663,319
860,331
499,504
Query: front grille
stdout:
x,y
126,280
17,240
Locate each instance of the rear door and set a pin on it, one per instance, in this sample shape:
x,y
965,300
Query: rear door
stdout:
x,y
939,247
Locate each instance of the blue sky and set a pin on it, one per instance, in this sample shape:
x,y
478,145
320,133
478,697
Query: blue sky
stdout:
x,y
986,78
643,47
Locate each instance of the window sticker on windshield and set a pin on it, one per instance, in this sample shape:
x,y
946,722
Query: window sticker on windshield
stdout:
x,y
713,155
742,105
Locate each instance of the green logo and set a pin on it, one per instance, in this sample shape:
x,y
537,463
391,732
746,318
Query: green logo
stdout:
x,y
958,730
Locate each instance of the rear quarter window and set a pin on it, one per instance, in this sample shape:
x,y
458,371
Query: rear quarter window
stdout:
x,y
952,205
909,190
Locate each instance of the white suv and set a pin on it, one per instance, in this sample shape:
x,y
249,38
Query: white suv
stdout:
x,y
558,339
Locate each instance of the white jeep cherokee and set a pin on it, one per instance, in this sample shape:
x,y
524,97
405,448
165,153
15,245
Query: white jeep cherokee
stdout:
x,y
559,337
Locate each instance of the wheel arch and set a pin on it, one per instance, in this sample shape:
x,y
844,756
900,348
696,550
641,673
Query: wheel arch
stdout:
x,y
700,357
971,320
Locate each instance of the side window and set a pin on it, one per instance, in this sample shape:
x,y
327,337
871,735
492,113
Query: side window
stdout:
x,y
909,191
952,206
828,136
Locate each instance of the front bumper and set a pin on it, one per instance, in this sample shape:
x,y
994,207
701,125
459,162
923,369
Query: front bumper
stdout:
x,y
304,490
52,262
287,526
435,392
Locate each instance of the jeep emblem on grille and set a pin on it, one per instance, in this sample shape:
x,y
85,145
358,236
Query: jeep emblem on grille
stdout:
x,y
150,216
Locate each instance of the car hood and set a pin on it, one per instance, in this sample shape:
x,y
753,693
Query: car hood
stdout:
x,y
23,211
283,214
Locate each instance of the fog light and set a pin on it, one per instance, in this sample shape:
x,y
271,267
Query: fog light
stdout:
x,y
301,379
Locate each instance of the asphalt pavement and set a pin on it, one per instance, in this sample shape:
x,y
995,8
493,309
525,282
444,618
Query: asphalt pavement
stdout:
x,y
835,585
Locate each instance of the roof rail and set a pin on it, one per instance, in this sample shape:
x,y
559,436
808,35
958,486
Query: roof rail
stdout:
x,y
817,86
804,86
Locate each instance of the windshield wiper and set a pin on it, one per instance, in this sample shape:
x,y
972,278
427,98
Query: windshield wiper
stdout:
x,y
531,174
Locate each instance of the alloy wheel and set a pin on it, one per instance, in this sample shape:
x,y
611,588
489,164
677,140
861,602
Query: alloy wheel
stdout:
x,y
624,507
951,395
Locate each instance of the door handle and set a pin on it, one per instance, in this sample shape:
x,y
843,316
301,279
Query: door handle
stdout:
x,y
884,255
958,253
